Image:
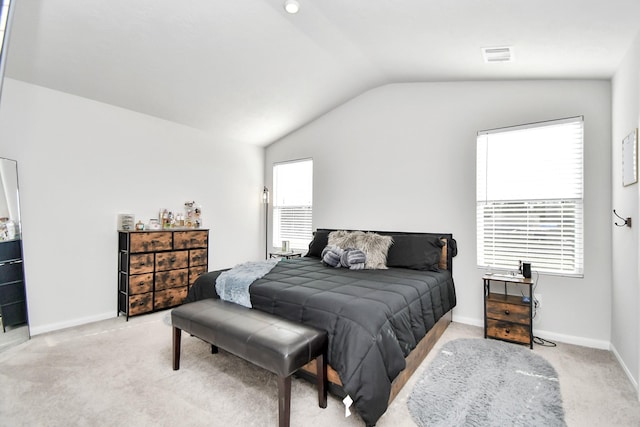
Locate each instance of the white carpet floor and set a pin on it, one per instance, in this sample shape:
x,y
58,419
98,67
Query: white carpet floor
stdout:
x,y
115,373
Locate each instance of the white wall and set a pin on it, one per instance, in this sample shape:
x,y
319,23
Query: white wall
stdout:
x,y
625,333
402,157
80,163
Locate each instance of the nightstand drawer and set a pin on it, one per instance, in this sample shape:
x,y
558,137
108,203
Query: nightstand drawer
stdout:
x,y
508,331
509,312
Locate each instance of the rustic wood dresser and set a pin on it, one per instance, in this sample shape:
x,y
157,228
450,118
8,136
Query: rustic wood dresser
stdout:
x,y
156,268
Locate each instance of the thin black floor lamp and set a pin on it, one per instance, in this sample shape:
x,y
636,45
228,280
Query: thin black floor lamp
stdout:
x,y
265,202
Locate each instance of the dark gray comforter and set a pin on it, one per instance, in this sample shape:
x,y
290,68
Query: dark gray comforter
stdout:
x,y
374,318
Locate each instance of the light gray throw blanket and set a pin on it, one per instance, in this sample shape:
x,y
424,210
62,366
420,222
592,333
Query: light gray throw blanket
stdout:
x,y
233,285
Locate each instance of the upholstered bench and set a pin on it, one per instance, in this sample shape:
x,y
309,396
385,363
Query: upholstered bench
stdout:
x,y
265,340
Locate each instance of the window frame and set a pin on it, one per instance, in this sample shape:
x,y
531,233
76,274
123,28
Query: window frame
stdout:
x,y
528,227
304,211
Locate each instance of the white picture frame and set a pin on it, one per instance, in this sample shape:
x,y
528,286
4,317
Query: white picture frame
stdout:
x,y
126,222
630,158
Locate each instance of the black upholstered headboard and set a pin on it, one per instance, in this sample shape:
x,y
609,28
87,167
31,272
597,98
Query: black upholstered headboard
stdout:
x,y
450,250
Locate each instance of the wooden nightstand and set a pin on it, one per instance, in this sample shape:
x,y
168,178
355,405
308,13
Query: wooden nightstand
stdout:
x,y
287,255
508,317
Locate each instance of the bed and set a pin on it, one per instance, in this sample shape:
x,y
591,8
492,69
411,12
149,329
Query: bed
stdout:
x,y
381,323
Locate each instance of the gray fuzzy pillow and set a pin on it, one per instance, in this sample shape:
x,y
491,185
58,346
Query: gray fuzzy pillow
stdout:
x,y
374,246
344,239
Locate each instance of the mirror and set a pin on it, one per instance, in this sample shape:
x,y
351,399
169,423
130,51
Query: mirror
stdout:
x,y
5,24
14,327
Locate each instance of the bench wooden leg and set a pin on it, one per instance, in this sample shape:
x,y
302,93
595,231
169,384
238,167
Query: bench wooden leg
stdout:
x,y
321,378
284,401
177,334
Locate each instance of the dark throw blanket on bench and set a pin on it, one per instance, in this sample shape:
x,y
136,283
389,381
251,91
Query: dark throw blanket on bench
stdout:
x,y
374,318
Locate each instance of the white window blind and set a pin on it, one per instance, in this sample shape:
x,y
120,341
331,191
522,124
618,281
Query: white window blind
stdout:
x,y
529,199
292,203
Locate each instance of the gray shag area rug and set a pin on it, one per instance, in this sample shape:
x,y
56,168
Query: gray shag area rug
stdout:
x,y
480,382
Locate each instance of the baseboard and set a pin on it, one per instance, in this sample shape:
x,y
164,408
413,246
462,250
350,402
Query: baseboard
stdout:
x,y
553,336
626,370
468,321
37,330
572,339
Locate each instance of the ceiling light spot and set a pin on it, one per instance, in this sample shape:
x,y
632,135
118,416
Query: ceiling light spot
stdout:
x,y
291,6
497,54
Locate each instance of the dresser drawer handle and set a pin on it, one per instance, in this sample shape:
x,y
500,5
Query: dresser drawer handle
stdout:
x,y
507,312
506,331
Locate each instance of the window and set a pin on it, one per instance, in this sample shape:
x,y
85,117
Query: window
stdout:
x,y
529,197
292,203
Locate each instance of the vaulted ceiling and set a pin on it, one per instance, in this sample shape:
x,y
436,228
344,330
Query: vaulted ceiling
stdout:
x,y
246,71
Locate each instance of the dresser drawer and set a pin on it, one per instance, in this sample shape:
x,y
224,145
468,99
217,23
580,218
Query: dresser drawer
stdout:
x,y
171,279
10,249
140,283
190,239
508,331
14,313
138,304
141,263
169,297
195,272
172,260
509,312
11,272
150,241
11,292
198,257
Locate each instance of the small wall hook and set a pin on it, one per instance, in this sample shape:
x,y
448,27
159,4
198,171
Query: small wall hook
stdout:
x,y
627,221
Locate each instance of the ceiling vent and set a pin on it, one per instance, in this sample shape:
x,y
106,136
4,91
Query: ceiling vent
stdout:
x,y
497,54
